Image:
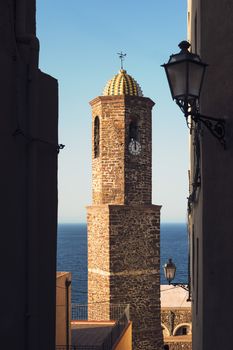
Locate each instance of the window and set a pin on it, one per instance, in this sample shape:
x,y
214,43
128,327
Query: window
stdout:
x,y
133,130
183,330
96,137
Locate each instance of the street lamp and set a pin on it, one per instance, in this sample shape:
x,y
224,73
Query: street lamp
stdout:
x,y
185,73
170,272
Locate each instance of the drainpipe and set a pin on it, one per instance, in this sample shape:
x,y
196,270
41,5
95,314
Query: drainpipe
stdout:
x,y
68,283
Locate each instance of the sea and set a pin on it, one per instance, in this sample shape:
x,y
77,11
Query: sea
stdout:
x,y
72,254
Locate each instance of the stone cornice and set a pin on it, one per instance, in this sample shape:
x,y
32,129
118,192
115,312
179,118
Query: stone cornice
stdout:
x,y
127,207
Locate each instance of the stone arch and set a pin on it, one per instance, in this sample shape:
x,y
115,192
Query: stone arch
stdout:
x,y
180,327
165,330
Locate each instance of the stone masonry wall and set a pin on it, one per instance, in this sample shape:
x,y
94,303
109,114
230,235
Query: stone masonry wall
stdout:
x,y
134,267
98,259
123,266
138,169
97,162
172,319
179,345
117,176
108,168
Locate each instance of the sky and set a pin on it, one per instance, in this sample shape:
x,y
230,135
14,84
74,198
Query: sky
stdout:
x,y
79,42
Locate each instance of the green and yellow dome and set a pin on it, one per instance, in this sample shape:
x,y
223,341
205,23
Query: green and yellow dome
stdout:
x,y
122,84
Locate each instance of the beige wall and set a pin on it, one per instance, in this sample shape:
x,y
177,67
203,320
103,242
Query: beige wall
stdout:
x,y
125,342
63,308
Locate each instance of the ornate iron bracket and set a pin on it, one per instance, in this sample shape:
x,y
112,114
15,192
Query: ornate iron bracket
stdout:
x,y
214,125
29,138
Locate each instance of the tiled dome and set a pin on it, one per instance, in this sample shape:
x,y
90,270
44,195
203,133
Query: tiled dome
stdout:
x,y
122,84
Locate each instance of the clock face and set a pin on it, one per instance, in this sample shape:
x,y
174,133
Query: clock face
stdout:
x,y
135,147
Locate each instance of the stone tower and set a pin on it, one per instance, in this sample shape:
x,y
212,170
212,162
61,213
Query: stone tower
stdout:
x,y
123,225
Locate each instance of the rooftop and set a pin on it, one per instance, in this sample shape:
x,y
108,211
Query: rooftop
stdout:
x,y
90,333
174,296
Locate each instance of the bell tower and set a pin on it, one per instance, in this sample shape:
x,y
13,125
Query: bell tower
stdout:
x,y
123,224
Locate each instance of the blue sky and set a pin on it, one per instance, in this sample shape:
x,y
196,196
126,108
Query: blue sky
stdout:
x,y
79,41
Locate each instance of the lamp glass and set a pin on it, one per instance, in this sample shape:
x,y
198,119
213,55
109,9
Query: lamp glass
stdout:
x,y
177,77
185,73
195,78
169,270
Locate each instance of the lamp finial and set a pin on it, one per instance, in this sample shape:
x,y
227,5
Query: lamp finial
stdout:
x,y
184,45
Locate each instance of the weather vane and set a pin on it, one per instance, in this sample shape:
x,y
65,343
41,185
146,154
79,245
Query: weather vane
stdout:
x,y
122,57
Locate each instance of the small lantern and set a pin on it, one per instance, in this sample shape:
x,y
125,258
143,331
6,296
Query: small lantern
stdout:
x,y
185,72
169,270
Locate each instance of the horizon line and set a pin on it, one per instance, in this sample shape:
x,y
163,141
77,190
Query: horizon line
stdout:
x,y
83,222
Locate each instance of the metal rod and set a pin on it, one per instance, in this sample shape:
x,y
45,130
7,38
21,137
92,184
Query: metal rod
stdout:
x,y
184,286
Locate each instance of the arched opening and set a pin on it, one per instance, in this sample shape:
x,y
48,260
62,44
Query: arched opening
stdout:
x,y
133,130
182,329
96,137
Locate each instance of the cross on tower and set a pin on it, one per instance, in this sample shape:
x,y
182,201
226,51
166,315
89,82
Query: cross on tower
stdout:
x,y
122,57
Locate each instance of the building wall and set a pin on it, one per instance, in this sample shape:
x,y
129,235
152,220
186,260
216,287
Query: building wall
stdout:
x,y
63,309
173,318
134,266
125,342
212,212
108,168
176,317
28,184
98,261
119,236
179,345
